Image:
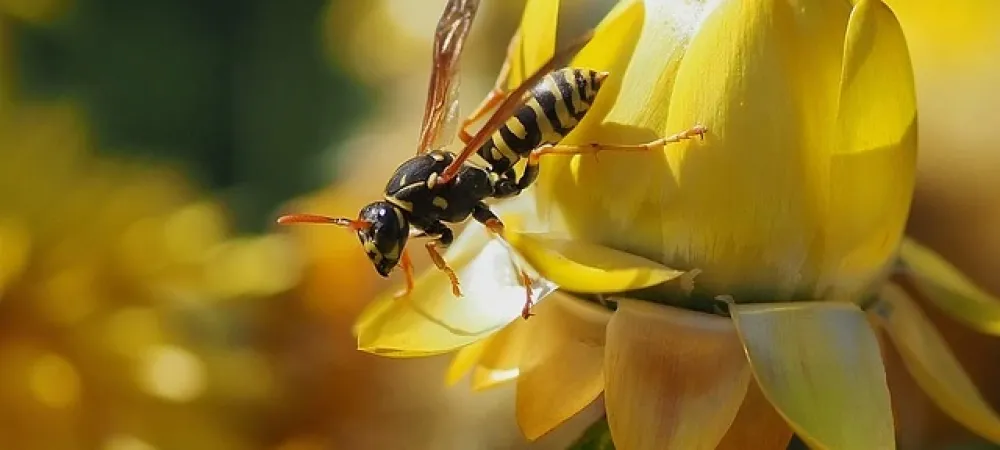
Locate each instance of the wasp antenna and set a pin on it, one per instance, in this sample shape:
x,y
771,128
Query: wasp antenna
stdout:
x,y
352,224
309,218
343,222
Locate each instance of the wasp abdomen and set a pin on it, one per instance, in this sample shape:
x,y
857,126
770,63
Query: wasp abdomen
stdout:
x,y
555,106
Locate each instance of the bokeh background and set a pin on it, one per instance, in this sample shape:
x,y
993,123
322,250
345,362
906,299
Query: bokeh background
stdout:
x,y
148,303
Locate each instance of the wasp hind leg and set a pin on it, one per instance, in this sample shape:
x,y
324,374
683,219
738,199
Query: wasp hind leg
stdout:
x,y
531,167
494,98
481,212
529,298
691,133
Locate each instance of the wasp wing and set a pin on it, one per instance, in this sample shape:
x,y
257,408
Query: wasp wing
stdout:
x,y
441,110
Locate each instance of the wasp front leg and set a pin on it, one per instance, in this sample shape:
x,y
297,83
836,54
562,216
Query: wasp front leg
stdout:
x,y
442,237
407,265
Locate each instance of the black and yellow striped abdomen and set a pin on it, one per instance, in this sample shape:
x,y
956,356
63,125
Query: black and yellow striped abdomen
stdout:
x,y
554,107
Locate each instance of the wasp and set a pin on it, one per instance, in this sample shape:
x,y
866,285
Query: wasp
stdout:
x,y
436,186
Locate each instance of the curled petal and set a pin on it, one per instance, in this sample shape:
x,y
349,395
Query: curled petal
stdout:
x,y
464,361
876,65
485,378
609,51
674,379
572,182
808,354
588,268
950,290
431,320
535,42
932,363
562,368
501,357
873,168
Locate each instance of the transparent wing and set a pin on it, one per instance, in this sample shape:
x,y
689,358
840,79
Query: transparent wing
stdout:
x,y
441,110
449,123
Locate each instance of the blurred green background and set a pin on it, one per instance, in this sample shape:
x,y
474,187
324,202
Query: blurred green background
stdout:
x,y
240,93
146,301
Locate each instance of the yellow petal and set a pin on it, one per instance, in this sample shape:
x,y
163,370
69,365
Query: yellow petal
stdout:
x,y
947,288
464,361
484,378
757,426
933,365
501,357
674,379
562,368
820,365
876,66
747,205
610,51
432,320
503,349
873,170
536,40
588,268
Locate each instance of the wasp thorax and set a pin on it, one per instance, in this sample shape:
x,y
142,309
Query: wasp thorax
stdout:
x,y
384,236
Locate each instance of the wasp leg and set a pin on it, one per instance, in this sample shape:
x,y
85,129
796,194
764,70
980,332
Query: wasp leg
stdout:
x,y
696,131
531,167
433,250
528,300
442,239
494,98
407,265
481,212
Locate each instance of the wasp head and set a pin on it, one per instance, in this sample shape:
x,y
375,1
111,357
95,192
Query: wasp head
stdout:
x,y
383,234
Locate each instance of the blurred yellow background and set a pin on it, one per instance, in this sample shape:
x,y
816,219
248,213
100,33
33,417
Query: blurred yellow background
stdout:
x,y
956,57
146,301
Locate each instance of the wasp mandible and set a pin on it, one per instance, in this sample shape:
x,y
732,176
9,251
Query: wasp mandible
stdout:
x,y
437,186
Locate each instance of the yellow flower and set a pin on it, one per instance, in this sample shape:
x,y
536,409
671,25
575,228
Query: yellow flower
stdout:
x,y
793,207
779,202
